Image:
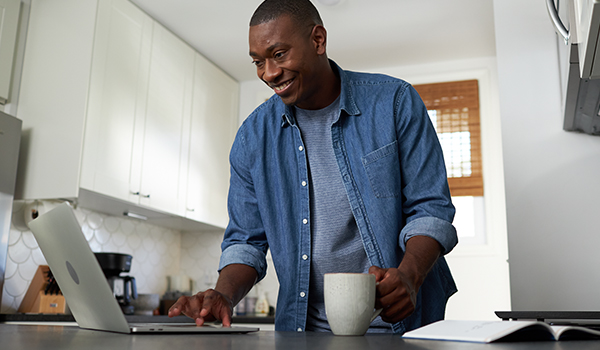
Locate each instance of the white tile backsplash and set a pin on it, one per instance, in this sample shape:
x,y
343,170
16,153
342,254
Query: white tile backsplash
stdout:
x,y
157,252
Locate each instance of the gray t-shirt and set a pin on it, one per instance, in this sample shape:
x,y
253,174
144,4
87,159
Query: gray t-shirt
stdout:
x,y
336,245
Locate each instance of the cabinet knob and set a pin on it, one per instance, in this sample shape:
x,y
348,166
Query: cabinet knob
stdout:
x,y
190,209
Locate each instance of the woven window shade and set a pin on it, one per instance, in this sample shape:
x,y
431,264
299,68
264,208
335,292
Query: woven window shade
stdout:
x,y
454,110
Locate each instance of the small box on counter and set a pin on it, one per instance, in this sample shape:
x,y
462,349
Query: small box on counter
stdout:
x,y
43,295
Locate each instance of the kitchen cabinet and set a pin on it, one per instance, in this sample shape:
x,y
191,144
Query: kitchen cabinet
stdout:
x,y
164,156
138,110
112,107
9,21
213,127
116,108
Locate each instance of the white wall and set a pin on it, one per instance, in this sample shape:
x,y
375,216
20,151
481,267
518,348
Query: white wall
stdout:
x,y
552,186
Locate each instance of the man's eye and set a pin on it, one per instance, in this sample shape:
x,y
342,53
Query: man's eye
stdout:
x,y
278,54
257,63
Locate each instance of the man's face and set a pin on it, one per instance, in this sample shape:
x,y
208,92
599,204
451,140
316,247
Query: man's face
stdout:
x,y
286,56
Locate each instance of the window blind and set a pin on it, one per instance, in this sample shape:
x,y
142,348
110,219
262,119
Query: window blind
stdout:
x,y
454,110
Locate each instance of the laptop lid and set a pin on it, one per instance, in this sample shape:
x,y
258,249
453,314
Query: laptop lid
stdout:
x,y
83,283
77,271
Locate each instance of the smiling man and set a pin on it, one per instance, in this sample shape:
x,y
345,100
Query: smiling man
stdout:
x,y
337,172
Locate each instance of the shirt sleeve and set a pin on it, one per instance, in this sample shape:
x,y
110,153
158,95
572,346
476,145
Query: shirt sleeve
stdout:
x,y
427,204
244,241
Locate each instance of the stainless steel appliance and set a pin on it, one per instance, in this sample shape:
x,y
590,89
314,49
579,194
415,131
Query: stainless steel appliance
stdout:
x,y
10,138
579,62
123,287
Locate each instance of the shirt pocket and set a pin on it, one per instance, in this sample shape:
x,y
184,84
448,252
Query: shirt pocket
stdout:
x,y
383,170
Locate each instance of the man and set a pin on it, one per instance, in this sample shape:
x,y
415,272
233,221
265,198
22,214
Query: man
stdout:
x,y
337,172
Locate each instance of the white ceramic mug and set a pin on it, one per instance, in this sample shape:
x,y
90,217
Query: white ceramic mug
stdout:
x,y
350,302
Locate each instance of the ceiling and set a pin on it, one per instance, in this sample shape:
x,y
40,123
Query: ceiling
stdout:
x,y
362,34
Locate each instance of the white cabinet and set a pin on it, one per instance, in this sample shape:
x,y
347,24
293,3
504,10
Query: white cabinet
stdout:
x,y
213,127
164,153
117,99
114,105
9,20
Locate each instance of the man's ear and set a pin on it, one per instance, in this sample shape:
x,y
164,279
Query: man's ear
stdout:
x,y
319,39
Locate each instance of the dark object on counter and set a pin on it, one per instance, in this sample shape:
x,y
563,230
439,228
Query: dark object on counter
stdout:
x,y
113,264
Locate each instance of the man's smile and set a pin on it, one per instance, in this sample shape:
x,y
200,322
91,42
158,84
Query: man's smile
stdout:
x,y
283,86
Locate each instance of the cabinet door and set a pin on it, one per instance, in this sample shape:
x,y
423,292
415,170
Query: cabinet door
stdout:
x,y
9,20
117,97
164,158
213,127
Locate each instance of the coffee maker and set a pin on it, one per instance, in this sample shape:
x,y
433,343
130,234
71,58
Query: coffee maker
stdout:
x,y
123,287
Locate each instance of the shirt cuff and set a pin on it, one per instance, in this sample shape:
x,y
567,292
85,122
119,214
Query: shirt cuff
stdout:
x,y
244,254
436,228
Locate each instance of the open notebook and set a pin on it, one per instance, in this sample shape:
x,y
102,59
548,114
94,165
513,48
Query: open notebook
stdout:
x,y
82,281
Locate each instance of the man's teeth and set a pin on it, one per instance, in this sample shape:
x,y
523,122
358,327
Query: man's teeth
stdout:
x,y
282,86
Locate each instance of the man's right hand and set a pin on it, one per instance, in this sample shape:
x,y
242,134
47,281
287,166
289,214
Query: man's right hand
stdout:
x,y
206,306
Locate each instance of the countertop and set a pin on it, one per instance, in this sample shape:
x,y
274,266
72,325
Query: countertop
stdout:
x,y
37,318
65,338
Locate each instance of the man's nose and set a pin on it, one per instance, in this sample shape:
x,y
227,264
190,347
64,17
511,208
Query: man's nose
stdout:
x,y
272,71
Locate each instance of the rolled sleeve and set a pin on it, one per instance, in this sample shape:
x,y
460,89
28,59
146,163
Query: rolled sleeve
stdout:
x,y
436,228
244,254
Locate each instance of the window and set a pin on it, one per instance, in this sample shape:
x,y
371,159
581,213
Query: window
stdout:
x,y
454,110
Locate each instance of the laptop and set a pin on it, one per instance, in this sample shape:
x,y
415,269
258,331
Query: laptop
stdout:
x,y
84,285
589,319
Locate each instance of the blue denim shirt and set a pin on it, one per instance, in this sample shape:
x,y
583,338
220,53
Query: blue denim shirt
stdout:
x,y
392,167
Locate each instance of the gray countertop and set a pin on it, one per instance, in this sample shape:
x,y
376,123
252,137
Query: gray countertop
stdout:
x,y
65,338
130,318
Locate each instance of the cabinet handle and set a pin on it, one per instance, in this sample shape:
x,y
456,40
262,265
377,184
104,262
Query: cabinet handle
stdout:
x,y
190,209
139,194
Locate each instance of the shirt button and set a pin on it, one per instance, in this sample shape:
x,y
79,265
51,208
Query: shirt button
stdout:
x,y
305,221
303,183
299,329
300,148
304,257
302,294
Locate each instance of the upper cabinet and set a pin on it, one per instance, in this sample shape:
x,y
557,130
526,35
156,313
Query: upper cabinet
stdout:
x,y
215,95
9,21
122,113
116,108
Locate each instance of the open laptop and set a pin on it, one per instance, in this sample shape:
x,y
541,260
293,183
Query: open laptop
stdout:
x,y
83,284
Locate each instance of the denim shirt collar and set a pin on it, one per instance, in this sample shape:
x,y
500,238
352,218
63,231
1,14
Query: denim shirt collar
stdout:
x,y
347,103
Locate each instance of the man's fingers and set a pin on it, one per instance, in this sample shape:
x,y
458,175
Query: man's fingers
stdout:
x,y
204,307
378,272
176,309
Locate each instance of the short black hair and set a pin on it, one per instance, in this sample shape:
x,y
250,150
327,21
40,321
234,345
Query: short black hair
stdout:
x,y
303,12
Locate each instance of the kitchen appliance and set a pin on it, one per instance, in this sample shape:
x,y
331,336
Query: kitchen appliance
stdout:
x,y
578,26
123,287
10,139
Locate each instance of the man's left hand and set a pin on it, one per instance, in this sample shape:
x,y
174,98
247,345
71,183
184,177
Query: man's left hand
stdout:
x,y
396,294
397,287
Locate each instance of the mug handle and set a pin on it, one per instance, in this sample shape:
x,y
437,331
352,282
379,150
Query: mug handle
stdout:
x,y
375,314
